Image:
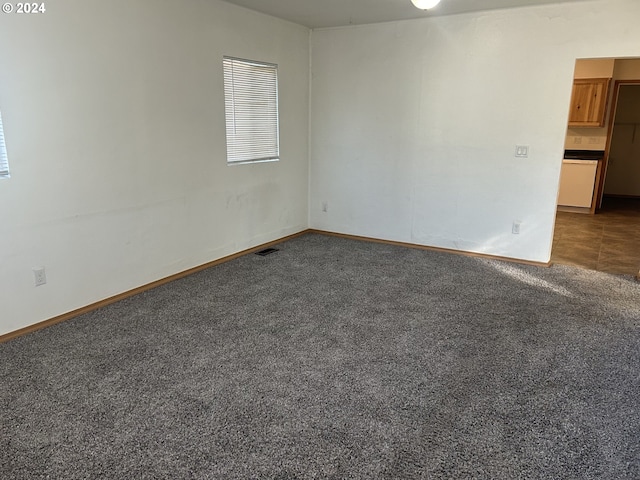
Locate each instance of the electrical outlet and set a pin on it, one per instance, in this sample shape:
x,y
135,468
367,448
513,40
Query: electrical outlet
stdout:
x,y
515,229
522,151
577,140
593,140
40,277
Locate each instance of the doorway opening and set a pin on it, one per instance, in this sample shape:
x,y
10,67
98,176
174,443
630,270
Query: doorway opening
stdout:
x,y
622,175
607,237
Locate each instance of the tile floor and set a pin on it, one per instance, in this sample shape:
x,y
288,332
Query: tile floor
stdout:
x,y
608,241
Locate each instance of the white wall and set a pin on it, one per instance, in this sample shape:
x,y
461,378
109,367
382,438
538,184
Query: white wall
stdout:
x,y
627,69
594,68
114,124
415,123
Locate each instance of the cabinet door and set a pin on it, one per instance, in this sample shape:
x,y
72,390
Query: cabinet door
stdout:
x,y
589,102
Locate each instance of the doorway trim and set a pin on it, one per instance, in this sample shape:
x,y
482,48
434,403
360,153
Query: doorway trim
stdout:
x,y
602,172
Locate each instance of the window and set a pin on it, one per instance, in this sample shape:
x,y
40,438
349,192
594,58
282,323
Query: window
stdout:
x,y
4,162
251,110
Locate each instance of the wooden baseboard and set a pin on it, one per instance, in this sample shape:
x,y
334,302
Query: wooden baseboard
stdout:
x,y
434,249
567,209
143,288
185,273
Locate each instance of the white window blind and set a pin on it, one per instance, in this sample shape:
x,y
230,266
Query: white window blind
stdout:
x,y
4,162
251,110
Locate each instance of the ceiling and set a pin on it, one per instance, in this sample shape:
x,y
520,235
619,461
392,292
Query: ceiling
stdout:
x,y
335,13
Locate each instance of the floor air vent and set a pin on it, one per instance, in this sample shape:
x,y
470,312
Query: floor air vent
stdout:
x,y
266,251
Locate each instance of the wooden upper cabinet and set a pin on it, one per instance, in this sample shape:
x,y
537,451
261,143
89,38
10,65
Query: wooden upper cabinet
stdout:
x,y
589,102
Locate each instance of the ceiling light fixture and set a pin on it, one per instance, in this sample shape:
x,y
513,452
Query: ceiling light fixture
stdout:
x,y
425,4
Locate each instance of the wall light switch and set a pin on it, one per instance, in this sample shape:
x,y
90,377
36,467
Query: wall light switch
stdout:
x,y
522,151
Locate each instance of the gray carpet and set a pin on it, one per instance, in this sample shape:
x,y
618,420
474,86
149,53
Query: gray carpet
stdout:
x,y
334,358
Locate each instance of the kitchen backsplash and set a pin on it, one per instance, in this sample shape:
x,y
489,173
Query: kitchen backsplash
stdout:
x,y
586,139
